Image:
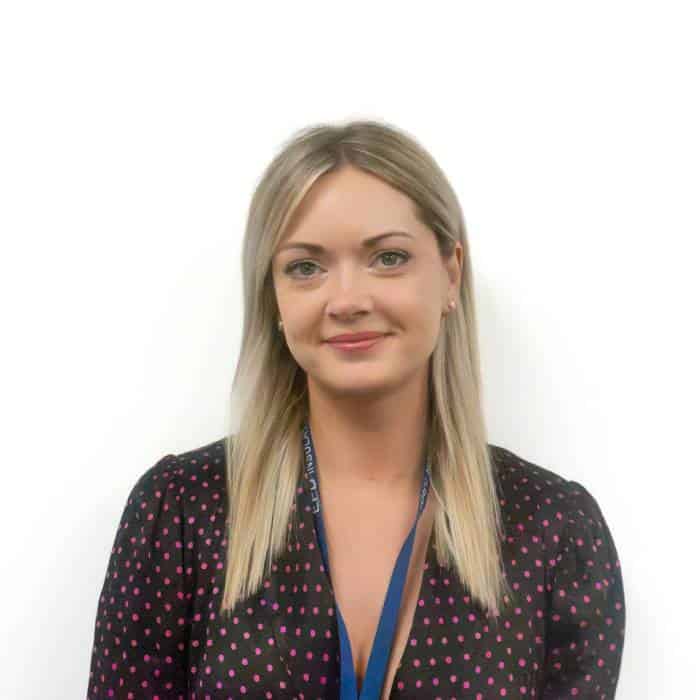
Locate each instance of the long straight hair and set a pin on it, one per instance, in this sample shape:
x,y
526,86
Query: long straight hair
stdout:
x,y
269,394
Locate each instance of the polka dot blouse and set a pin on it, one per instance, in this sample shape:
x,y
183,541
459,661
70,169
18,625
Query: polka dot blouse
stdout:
x,y
158,632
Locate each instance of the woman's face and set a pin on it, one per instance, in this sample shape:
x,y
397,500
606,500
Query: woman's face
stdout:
x,y
398,286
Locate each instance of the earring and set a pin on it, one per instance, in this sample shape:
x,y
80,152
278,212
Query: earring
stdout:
x,y
279,324
450,306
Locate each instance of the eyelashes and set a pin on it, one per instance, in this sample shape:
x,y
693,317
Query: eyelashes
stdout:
x,y
294,266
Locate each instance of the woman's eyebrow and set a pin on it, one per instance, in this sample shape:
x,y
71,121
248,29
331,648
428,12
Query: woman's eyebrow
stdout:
x,y
367,243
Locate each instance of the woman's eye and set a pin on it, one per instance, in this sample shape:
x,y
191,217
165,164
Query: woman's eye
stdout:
x,y
306,264
293,266
403,256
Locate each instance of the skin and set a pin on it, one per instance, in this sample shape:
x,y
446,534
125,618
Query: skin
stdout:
x,y
368,410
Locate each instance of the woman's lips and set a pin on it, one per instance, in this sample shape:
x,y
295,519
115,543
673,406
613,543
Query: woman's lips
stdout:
x,y
356,345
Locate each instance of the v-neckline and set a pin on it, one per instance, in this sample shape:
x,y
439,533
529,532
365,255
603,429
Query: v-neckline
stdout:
x,y
425,566
299,586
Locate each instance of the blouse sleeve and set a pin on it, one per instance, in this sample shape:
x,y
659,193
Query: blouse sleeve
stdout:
x,y
141,627
586,620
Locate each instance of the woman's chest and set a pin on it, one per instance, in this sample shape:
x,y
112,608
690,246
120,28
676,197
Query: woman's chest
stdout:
x,y
360,580
283,641
285,644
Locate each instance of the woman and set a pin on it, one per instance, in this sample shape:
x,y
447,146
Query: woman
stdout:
x,y
356,535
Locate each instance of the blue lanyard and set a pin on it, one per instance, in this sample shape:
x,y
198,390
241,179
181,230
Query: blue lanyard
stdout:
x,y
381,646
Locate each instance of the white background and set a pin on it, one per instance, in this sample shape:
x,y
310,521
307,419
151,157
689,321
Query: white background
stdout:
x,y
132,136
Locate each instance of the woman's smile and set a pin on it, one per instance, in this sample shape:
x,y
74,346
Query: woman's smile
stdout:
x,y
356,346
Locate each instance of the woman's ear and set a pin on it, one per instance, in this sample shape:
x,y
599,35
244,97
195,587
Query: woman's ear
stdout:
x,y
454,271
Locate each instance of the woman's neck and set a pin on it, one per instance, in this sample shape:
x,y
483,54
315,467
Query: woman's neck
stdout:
x,y
380,447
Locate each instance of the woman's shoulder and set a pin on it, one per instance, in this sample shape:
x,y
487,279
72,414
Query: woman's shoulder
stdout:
x,y
529,491
204,463
194,479
514,472
154,574
574,561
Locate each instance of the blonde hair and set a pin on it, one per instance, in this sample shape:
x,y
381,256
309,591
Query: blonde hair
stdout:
x,y
264,457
